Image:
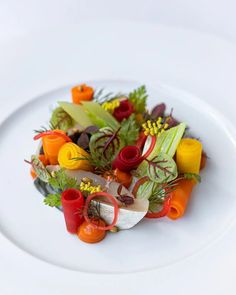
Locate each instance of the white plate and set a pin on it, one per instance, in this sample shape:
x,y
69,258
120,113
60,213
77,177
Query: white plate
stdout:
x,y
161,253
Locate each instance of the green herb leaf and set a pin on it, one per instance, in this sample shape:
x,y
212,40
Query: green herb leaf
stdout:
x,y
61,119
161,168
53,200
129,131
159,194
42,129
99,116
61,181
156,193
139,99
193,176
104,145
101,97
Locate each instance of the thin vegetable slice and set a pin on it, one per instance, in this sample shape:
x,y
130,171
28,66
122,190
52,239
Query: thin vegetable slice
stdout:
x,y
128,159
180,198
61,119
114,203
72,203
39,169
167,143
161,168
71,156
105,145
59,133
99,116
164,211
77,112
188,156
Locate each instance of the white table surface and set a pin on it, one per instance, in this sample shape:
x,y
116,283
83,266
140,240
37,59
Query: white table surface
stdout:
x,y
25,17
212,16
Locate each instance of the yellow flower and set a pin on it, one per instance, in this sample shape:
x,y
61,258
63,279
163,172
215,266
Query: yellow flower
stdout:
x,y
111,105
154,128
88,187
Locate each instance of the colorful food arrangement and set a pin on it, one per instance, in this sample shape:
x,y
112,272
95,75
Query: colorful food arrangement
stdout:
x,y
107,162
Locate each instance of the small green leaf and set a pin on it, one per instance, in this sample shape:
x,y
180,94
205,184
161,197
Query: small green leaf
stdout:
x,y
104,145
61,181
53,200
129,131
161,168
138,97
61,119
193,176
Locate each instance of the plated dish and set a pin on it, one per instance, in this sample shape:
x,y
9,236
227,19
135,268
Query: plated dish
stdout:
x,y
107,162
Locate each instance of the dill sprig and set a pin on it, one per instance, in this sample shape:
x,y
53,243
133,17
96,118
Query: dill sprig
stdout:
x,y
160,194
138,97
94,210
99,167
101,97
44,129
191,176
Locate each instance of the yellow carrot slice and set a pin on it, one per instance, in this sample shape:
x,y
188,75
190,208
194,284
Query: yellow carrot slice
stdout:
x,y
188,160
67,154
188,156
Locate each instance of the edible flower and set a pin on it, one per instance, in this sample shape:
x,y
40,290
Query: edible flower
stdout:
x,y
155,128
88,187
110,106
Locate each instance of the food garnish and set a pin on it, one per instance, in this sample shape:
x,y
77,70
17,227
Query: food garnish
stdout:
x,y
107,162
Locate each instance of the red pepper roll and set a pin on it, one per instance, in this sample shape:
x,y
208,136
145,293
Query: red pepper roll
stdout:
x,y
124,110
72,203
128,159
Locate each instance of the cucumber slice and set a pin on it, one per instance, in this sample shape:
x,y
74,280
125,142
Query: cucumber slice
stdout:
x,y
77,112
99,116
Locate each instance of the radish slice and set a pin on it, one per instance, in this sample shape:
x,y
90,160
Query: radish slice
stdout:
x,y
149,146
113,201
165,210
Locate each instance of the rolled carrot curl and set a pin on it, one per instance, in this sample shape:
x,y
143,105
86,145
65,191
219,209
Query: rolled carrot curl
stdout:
x,y
69,157
188,160
52,144
82,93
180,198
